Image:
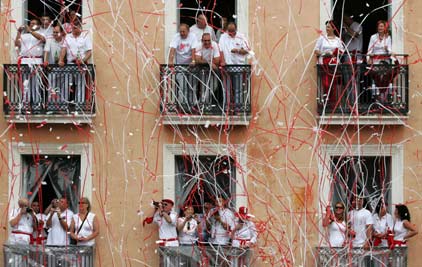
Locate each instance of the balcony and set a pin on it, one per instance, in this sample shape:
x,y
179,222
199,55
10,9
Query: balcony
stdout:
x,y
375,94
48,256
197,95
377,256
52,94
190,256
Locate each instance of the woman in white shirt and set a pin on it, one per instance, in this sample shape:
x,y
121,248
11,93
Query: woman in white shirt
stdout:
x,y
403,228
379,47
336,225
84,226
187,227
383,225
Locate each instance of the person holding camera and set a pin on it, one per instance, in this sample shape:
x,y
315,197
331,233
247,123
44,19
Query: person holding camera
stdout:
x,y
58,221
244,236
166,219
23,223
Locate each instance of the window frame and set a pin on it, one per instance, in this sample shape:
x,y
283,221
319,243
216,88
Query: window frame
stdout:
x,y
16,175
236,151
171,21
395,10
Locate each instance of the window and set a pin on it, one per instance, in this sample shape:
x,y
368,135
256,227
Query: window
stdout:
x,y
56,170
378,169
222,167
35,9
202,179
47,177
214,10
364,176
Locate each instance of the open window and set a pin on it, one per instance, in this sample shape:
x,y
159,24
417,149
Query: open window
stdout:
x,y
201,179
364,12
35,9
368,176
214,10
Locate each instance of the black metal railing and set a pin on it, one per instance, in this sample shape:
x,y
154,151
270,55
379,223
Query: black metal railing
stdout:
x,y
364,89
48,256
376,256
49,90
201,90
190,256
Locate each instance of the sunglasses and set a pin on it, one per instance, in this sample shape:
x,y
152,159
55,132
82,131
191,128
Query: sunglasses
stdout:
x,y
339,208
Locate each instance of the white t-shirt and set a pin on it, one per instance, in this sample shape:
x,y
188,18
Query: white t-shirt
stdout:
x,y
42,219
354,43
337,233
208,54
47,32
77,47
31,46
188,235
399,230
199,32
167,230
24,225
228,43
359,220
53,48
183,48
377,46
381,225
247,233
57,236
87,228
219,234
327,45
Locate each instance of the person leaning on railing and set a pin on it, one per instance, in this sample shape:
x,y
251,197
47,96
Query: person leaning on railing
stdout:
x,y
383,225
84,227
244,236
403,229
361,223
380,47
23,223
337,227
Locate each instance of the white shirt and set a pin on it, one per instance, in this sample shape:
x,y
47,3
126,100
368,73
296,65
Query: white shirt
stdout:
x,y
25,225
228,43
47,32
247,233
219,234
208,54
199,32
167,230
57,236
399,230
42,220
359,220
31,46
86,230
378,46
77,47
327,45
337,233
381,225
188,235
354,43
53,48
183,48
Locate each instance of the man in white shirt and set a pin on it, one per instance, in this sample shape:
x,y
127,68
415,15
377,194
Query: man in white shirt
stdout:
x,y
77,47
202,27
234,49
352,35
58,222
166,220
23,223
39,235
244,236
182,51
46,26
361,223
208,53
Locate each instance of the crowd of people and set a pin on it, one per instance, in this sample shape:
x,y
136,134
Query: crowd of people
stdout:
x,y
56,226
197,45
361,228
217,227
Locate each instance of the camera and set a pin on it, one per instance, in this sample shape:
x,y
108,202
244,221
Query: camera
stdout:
x,y
28,210
156,204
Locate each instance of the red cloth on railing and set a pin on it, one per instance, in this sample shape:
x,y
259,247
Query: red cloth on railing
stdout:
x,y
331,78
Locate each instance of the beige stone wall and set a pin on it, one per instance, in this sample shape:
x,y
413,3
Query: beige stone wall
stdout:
x,y
283,182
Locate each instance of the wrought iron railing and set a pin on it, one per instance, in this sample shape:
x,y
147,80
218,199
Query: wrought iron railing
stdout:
x,y
201,90
357,257
210,256
48,256
364,89
49,90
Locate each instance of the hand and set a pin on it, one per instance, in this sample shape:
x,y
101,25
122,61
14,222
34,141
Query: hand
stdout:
x,y
235,51
45,63
61,63
82,238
